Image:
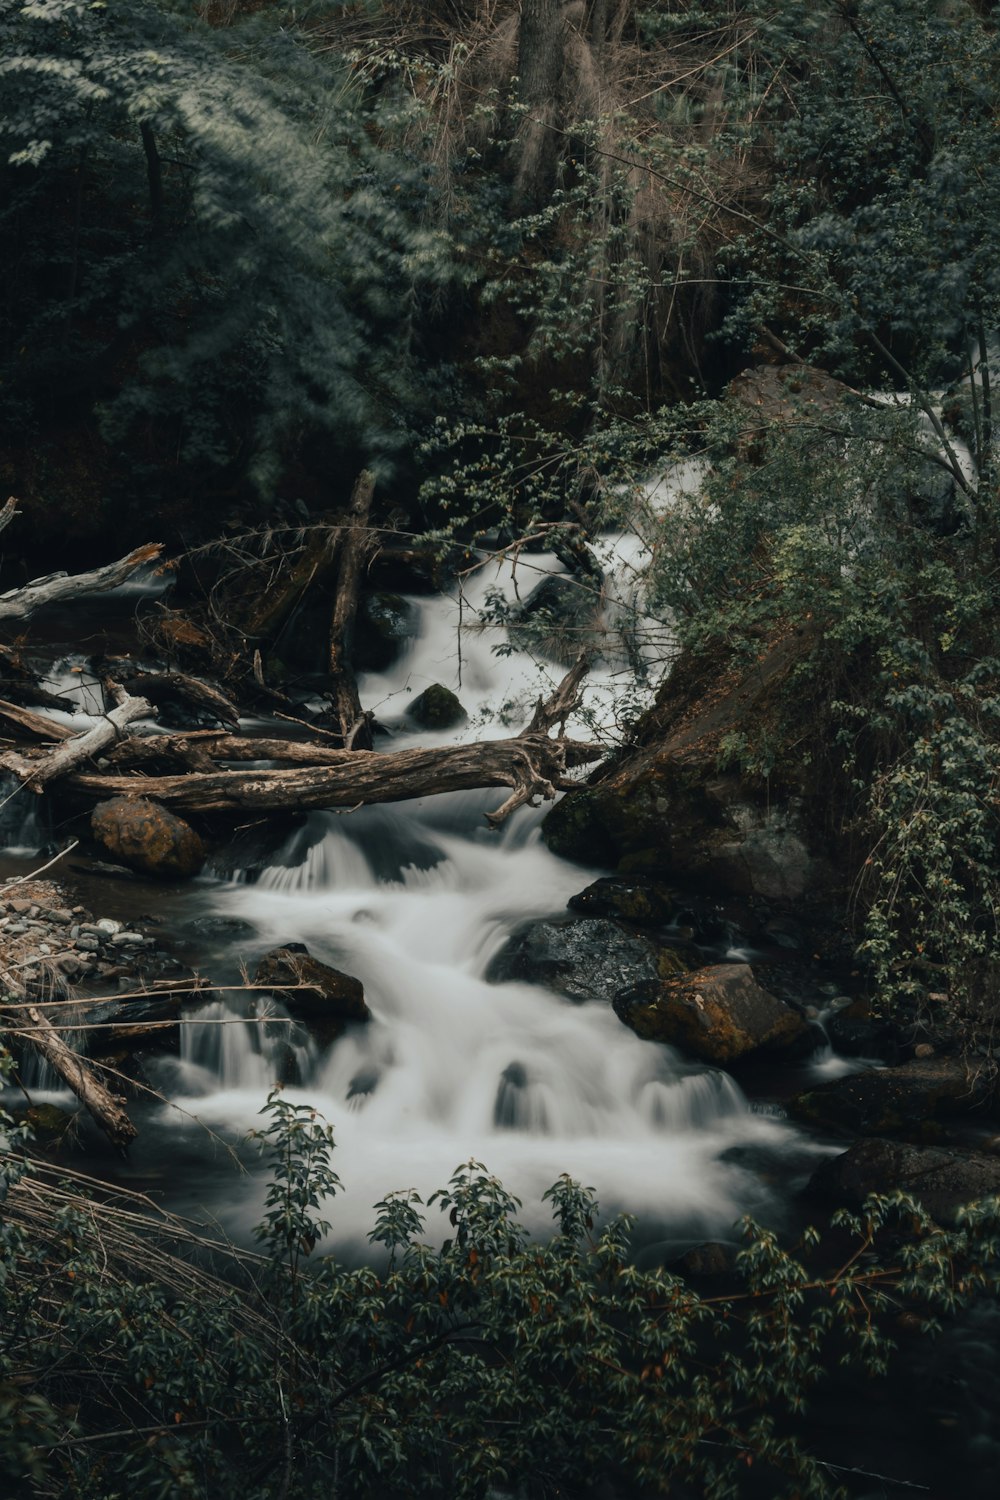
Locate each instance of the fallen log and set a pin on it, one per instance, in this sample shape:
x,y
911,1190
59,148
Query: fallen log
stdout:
x,y
18,604
534,766
35,772
8,513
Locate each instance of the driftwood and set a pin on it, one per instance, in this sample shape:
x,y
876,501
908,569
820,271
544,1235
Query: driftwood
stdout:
x,y
355,548
18,604
72,752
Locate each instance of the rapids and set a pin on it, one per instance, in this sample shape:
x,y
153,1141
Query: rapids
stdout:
x,y
415,900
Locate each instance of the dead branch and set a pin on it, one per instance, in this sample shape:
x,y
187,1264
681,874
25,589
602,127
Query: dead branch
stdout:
x,y
106,1108
8,513
18,604
72,752
33,1026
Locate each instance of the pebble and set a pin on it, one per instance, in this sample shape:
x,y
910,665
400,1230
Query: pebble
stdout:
x,y
108,924
923,1049
59,915
88,945
127,939
20,907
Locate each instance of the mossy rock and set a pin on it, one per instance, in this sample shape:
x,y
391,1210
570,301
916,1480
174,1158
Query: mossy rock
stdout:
x,y
148,838
576,830
717,1014
437,707
48,1122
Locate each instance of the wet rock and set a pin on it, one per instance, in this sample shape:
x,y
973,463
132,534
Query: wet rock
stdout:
x,y
864,1036
939,1180
583,960
906,1099
646,903
556,617
332,1001
437,708
385,622
148,838
718,1014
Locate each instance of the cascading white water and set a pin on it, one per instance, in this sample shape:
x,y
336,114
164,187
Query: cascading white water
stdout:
x,y
415,901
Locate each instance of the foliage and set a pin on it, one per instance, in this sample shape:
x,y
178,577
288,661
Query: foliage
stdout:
x,y
211,250
492,1362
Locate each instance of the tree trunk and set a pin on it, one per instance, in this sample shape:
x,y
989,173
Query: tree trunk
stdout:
x,y
539,65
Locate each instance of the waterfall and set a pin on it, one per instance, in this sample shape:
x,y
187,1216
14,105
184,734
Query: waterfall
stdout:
x,y
415,901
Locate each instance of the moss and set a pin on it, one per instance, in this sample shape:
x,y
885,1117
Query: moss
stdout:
x,y
437,708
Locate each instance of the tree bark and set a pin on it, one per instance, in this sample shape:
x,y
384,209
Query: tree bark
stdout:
x,y
539,65
19,604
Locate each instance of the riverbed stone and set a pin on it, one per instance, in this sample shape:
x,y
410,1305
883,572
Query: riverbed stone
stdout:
x,y
940,1180
904,1100
581,959
717,1014
332,1001
437,707
148,838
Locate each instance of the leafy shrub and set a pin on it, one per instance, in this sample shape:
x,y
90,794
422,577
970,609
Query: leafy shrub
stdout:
x,y
493,1363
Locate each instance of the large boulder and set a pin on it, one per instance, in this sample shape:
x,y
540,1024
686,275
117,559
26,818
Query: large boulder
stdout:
x,y
939,1180
718,1014
331,1001
148,838
668,808
905,1100
583,960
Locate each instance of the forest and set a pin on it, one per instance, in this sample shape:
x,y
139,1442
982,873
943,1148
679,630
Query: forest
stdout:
x,y
647,351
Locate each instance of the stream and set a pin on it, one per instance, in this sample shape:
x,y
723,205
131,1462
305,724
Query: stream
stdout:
x,y
415,900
